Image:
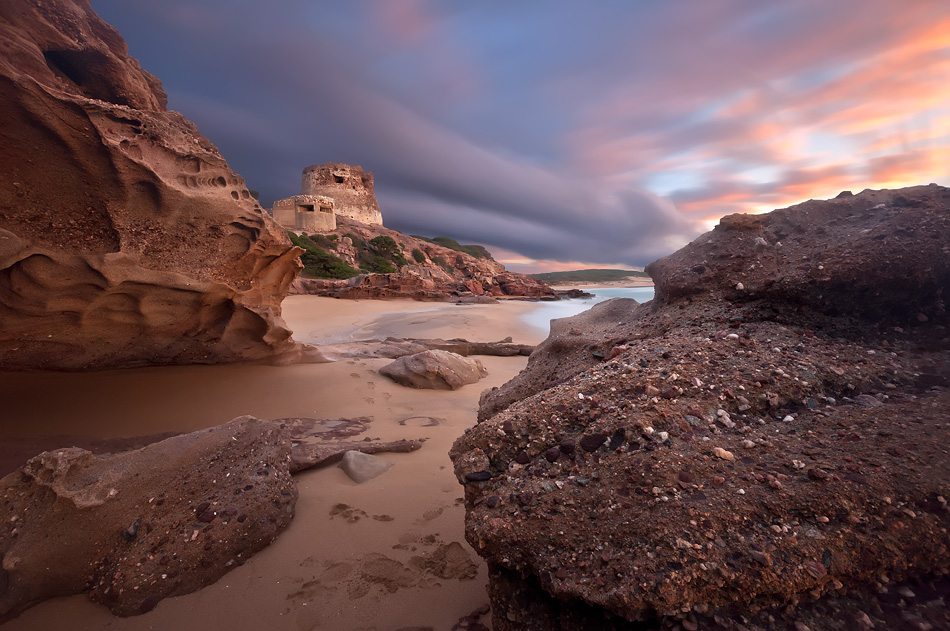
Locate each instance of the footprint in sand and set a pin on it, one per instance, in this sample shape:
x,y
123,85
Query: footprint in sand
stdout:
x,y
447,562
347,512
429,515
422,421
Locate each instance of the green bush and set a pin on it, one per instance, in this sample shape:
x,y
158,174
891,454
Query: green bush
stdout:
x,y
375,263
386,247
478,251
418,255
318,263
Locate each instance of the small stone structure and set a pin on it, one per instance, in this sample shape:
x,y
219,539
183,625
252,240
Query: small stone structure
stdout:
x,y
306,213
327,191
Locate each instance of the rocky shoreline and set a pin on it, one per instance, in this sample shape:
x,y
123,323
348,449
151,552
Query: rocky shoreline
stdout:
x,y
770,430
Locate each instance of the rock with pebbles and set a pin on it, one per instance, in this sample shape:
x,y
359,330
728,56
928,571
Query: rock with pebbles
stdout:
x,y
434,370
825,492
133,528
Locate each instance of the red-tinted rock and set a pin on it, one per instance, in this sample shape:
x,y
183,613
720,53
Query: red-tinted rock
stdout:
x,y
72,510
125,238
840,469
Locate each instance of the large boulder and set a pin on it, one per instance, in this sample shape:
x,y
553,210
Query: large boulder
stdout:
x,y
125,238
133,528
770,430
434,370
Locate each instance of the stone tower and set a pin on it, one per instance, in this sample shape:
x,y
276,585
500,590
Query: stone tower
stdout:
x,y
350,188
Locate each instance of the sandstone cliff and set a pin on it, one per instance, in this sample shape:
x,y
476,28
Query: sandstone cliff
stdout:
x,y
761,446
125,239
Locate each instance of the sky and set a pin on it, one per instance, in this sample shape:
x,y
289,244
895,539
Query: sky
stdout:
x,y
562,134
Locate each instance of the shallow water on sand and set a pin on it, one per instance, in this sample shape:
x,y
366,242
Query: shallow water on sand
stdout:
x,y
541,317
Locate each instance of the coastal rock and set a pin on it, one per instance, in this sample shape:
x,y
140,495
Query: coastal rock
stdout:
x,y
133,528
393,348
362,467
309,454
435,370
573,346
125,238
833,495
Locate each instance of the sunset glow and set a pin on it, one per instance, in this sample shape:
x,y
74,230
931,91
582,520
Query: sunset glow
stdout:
x,y
558,135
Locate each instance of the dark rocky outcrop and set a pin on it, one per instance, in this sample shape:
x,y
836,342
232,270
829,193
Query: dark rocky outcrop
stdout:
x,y
770,430
133,528
125,238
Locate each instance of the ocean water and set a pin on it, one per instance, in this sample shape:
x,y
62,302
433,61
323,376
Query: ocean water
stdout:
x,y
541,317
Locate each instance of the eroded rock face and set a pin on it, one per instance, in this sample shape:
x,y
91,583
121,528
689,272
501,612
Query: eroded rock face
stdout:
x,y
434,370
752,438
125,238
131,529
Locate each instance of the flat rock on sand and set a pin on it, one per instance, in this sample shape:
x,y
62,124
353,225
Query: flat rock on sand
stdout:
x,y
435,370
131,529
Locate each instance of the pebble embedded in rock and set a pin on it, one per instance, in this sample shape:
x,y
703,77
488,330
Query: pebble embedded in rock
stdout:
x,y
722,453
552,454
478,476
867,400
592,442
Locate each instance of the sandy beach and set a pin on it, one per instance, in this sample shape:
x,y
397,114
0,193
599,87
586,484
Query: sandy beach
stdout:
x,y
383,555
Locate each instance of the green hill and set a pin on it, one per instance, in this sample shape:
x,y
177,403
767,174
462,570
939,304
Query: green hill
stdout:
x,y
589,276
478,251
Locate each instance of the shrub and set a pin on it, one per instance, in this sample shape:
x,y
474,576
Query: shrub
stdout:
x,y
478,251
317,263
418,255
386,247
375,263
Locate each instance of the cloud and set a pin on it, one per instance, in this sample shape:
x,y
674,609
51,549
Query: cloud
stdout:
x,y
554,130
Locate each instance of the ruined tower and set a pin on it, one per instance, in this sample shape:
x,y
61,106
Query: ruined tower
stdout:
x,y
350,188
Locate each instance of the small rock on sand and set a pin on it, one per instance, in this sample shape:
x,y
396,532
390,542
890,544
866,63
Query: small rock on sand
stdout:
x,y
434,369
363,467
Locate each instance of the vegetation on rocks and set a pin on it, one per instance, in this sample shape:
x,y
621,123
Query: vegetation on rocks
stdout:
x,y
379,255
317,262
478,251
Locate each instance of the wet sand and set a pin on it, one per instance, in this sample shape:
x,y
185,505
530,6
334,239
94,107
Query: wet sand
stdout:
x,y
383,555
